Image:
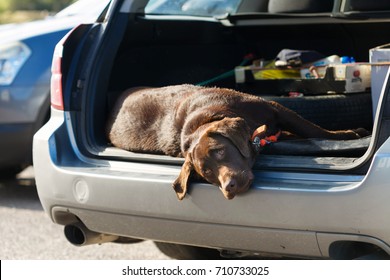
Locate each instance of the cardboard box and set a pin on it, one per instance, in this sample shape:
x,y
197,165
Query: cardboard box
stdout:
x,y
380,54
329,79
357,76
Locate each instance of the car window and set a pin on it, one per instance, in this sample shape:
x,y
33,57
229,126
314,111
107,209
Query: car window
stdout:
x,y
206,8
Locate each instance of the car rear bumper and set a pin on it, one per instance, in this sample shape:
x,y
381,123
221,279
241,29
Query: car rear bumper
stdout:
x,y
283,213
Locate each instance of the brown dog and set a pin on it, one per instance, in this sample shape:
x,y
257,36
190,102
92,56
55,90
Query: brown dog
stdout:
x,y
210,127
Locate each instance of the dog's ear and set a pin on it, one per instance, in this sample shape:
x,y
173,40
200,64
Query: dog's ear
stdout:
x,y
235,129
181,183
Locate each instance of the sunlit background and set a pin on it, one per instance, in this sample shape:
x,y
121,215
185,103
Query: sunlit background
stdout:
x,y
12,11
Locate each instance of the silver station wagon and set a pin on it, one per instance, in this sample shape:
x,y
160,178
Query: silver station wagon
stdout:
x,y
310,198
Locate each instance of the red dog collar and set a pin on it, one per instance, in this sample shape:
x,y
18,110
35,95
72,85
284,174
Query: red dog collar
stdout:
x,y
259,142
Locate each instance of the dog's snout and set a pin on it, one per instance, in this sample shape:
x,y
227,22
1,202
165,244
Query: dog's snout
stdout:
x,y
230,186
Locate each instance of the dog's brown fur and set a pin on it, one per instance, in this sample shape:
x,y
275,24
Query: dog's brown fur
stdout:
x,y
210,127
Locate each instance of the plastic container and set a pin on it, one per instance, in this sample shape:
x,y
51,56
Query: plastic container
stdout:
x,y
317,69
333,59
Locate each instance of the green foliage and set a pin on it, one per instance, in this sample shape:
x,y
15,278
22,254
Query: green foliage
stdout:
x,y
4,4
39,5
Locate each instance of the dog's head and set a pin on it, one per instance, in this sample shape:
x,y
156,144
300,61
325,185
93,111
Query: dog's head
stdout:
x,y
221,153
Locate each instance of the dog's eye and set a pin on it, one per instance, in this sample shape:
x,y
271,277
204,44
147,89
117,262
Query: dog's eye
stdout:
x,y
206,171
220,153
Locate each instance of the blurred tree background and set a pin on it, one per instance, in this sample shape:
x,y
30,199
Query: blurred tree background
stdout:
x,y
39,5
24,10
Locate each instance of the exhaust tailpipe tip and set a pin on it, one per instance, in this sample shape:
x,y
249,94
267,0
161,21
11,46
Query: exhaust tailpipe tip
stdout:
x,y
79,235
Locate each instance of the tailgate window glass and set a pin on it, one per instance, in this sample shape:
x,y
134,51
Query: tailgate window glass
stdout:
x,y
208,8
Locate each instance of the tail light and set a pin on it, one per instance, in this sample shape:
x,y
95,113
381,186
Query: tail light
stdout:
x,y
56,93
56,96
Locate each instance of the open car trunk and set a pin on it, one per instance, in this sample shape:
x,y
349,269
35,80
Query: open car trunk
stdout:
x,y
159,51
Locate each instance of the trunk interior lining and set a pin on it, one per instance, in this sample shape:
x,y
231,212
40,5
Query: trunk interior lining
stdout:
x,y
152,55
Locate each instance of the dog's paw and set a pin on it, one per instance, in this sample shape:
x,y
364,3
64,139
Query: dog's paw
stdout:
x,y
362,132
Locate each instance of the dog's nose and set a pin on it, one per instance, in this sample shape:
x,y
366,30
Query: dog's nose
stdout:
x,y
230,186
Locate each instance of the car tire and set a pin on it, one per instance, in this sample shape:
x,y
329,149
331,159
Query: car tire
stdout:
x,y
334,112
187,252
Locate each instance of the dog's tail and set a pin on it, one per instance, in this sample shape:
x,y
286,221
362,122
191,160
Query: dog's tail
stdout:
x,y
296,124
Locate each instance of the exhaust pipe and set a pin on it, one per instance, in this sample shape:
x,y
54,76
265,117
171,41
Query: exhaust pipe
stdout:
x,y
79,235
